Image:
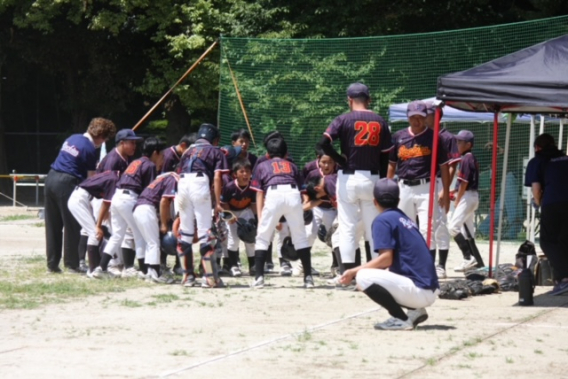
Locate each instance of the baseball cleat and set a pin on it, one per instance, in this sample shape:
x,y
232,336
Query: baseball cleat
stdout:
x,y
417,316
129,272
236,272
100,274
309,282
258,283
395,324
188,281
286,269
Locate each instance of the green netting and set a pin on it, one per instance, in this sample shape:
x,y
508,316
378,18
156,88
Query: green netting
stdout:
x,y
298,86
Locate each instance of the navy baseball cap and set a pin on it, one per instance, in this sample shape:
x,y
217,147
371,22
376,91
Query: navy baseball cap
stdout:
x,y
126,134
465,135
208,132
416,107
386,190
358,90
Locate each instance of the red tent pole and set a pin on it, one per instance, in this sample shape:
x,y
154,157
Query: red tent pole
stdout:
x,y
493,189
433,192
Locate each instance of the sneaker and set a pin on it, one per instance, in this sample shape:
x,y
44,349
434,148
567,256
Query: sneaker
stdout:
x,y
258,283
268,268
236,272
178,271
83,266
309,282
218,284
140,275
466,265
286,269
129,272
153,277
188,281
115,271
395,324
100,274
335,282
559,289
417,316
441,272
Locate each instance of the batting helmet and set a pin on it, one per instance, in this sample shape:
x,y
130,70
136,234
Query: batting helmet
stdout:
x,y
308,217
208,132
246,230
169,243
288,250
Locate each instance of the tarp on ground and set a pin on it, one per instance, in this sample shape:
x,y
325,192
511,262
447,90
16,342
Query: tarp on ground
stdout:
x,y
532,80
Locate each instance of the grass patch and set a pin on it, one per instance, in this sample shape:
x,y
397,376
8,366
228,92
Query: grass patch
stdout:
x,y
165,298
39,224
17,217
25,285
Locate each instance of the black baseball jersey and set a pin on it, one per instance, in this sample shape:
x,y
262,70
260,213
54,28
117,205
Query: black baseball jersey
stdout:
x,y
138,175
204,157
101,185
171,159
275,171
363,136
237,198
468,172
412,153
164,185
450,143
113,161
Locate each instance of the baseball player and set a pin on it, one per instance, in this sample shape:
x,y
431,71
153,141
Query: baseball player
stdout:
x,y
365,142
241,138
202,166
239,198
410,281
138,175
155,200
461,225
77,159
277,182
100,186
410,160
441,233
172,154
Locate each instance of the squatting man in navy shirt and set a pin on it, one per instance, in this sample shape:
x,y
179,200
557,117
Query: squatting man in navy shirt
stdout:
x,y
410,281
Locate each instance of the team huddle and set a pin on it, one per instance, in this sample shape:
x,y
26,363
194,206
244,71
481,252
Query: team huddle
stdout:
x,y
198,195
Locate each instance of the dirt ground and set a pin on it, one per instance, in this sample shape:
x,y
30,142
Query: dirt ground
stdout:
x,y
280,331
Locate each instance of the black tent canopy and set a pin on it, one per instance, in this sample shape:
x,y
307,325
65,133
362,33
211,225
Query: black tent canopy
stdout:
x,y
532,80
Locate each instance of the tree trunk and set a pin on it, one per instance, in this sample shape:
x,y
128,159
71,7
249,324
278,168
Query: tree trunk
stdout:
x,y
179,120
5,184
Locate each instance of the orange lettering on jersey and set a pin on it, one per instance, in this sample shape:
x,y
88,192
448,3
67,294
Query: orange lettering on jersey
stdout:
x,y
133,167
240,204
416,151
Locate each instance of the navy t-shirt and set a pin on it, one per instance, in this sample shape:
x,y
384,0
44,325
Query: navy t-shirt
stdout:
x,y
392,229
556,181
77,156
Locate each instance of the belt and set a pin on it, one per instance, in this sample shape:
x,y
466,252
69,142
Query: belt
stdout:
x,y
351,172
275,186
90,196
129,192
198,174
415,182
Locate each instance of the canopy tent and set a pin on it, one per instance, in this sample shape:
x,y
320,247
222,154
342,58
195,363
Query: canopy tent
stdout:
x,y
532,80
397,113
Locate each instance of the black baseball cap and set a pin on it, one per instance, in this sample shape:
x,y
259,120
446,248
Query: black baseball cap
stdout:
x,y
386,190
126,134
358,90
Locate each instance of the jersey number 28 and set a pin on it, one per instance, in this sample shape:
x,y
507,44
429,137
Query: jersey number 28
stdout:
x,y
368,133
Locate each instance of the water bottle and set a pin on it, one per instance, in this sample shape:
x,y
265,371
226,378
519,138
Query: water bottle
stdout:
x,y
526,288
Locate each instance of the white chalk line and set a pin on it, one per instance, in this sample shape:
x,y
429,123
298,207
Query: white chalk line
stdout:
x,y
534,325
265,343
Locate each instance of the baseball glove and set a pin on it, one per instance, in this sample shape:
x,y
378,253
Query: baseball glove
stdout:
x,y
246,230
308,217
169,243
322,233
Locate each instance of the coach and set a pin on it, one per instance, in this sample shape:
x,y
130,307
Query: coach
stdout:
x,y
76,160
365,142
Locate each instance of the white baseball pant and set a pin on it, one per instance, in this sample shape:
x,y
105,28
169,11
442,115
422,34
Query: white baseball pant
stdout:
x,y
146,218
354,195
282,201
234,240
402,289
122,218
79,205
464,214
193,201
360,233
441,233
414,203
127,242
324,216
